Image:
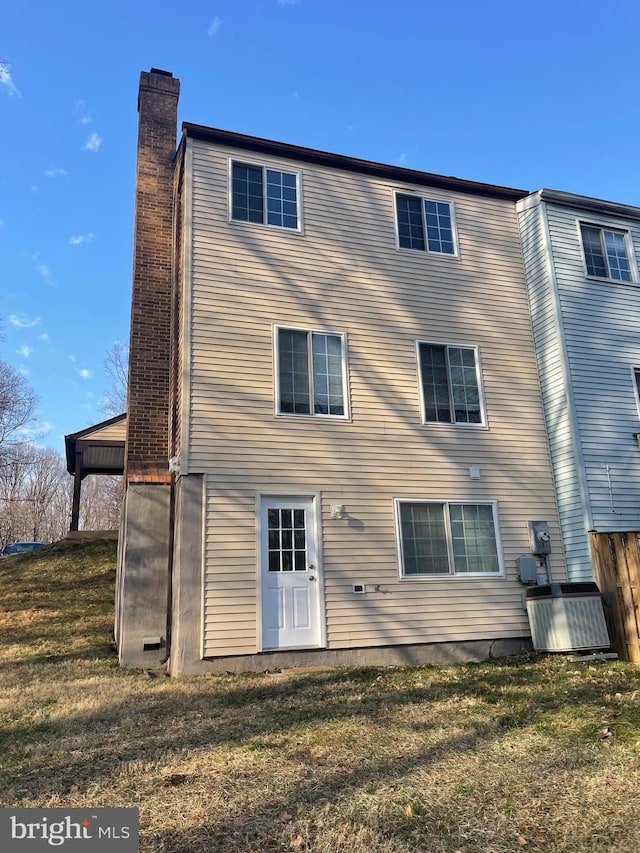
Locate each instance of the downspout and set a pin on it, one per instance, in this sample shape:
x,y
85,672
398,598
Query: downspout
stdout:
x,y
172,515
177,224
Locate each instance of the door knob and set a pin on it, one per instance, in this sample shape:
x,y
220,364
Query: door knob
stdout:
x,y
312,577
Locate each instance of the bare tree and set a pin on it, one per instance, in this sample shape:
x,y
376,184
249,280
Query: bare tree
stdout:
x,y
17,404
100,503
46,476
116,365
35,495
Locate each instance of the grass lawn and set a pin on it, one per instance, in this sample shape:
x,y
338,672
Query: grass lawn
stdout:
x,y
528,754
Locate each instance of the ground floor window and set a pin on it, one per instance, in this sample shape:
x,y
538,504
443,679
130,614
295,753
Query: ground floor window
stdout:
x,y
447,538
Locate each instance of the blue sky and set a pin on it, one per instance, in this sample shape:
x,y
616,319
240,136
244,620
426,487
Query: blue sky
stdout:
x,y
523,95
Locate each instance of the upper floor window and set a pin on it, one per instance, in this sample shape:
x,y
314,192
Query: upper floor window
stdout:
x,y
449,380
266,196
605,253
447,537
311,373
425,224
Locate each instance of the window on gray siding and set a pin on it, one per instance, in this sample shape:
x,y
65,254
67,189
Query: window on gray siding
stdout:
x,y
447,538
263,195
425,224
605,253
449,382
310,373
636,376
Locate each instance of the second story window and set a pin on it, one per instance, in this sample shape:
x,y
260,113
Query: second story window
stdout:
x,y
425,224
311,373
605,253
450,384
265,196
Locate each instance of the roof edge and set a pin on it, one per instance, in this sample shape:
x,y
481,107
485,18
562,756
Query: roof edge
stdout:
x,y
351,164
101,425
595,205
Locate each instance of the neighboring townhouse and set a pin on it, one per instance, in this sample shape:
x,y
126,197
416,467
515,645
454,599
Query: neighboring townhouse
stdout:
x,y
581,265
336,440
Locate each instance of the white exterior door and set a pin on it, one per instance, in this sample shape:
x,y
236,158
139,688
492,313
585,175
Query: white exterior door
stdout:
x,y
290,598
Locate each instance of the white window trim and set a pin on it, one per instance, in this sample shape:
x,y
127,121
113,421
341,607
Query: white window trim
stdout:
x,y
635,369
449,575
628,245
264,165
423,408
423,198
345,373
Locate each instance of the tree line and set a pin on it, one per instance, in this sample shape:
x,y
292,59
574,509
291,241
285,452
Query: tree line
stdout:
x,y
36,490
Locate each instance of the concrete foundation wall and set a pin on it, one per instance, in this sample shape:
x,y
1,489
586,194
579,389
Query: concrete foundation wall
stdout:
x,y
141,593
429,653
186,615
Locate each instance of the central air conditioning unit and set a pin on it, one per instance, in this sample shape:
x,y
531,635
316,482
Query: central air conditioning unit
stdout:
x,y
566,617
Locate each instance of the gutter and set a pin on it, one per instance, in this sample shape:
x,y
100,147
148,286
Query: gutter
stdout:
x,y
349,164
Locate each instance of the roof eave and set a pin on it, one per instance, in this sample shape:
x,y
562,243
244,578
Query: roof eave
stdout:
x,y
594,205
350,164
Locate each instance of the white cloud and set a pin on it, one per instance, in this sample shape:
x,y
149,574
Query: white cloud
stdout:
x,y
214,27
287,2
402,159
84,373
72,358
25,351
6,81
23,371
80,112
23,322
44,337
79,239
1,223
55,173
93,143
42,268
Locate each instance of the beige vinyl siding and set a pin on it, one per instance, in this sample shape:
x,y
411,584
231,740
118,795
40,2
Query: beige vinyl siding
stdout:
x,y
112,432
344,274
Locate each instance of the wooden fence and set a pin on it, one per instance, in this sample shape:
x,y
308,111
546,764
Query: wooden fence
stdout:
x,y
616,562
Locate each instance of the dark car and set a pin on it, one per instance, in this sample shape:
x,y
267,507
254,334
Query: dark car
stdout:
x,y
20,548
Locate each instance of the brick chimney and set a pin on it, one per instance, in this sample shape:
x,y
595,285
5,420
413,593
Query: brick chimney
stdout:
x,y
150,340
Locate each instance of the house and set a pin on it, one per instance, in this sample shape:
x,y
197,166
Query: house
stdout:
x,y
581,261
335,437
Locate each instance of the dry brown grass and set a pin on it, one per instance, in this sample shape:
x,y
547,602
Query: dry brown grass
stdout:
x,y
532,754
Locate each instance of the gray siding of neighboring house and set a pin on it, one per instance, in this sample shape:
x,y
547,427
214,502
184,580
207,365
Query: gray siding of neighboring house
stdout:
x,y
601,321
587,335
345,274
550,353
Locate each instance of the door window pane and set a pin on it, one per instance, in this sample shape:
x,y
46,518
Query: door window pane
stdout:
x,y
287,540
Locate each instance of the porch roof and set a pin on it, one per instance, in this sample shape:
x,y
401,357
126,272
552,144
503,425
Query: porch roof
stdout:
x,y
98,449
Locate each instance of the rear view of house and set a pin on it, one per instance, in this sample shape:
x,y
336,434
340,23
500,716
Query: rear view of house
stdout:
x,y
336,441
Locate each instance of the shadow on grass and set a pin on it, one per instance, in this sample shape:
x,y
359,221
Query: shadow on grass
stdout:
x,y
232,711
256,828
